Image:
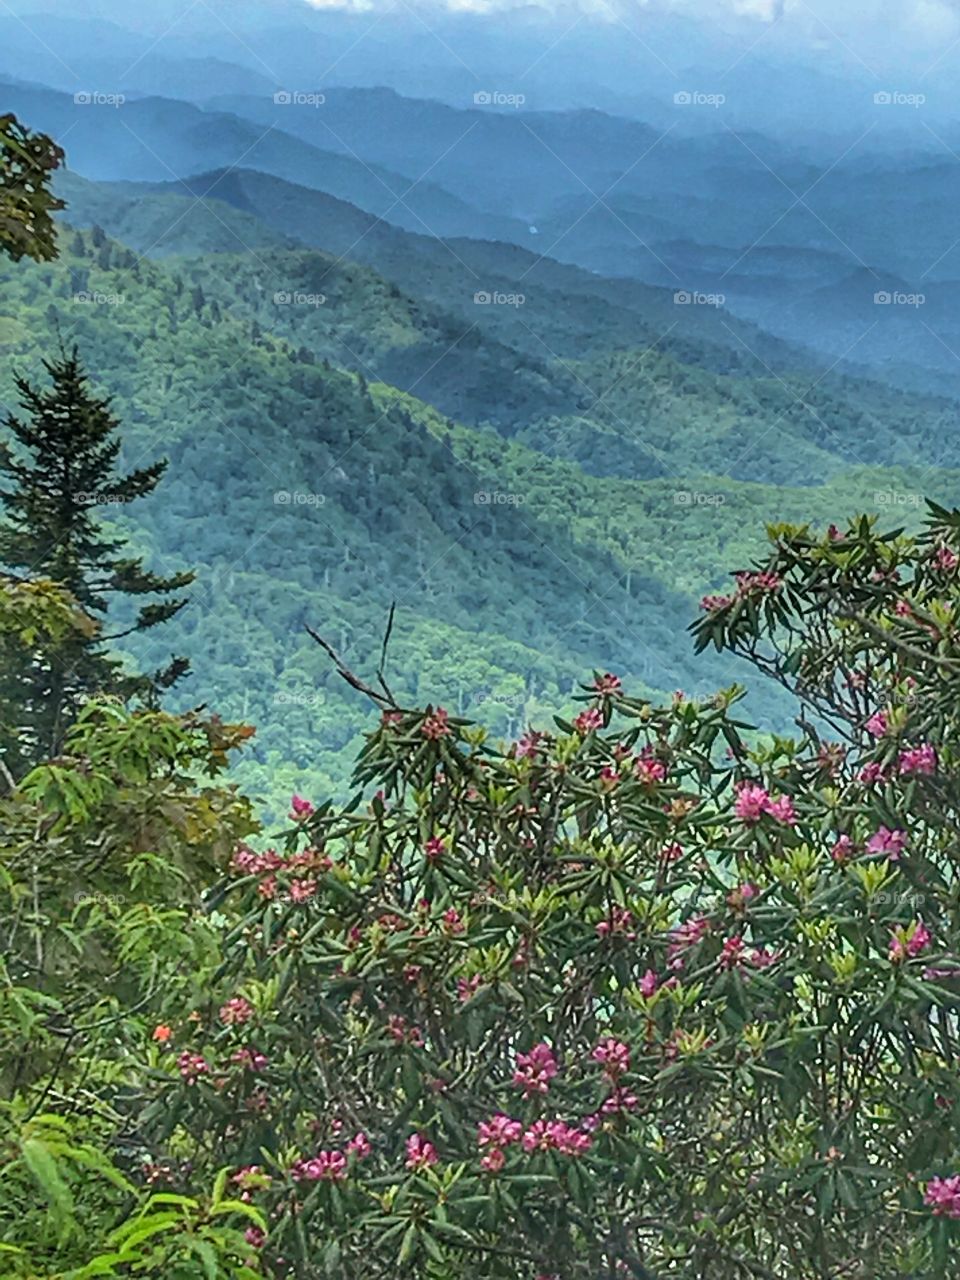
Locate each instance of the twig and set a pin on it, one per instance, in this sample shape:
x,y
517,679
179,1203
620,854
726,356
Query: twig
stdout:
x,y
381,699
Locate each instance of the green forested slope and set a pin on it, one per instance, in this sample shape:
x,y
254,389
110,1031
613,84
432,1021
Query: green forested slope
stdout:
x,y
501,604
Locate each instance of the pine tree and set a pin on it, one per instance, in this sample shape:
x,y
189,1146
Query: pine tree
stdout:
x,y
61,477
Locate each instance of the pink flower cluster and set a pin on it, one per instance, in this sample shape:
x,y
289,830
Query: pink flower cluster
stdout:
x,y
330,1166
236,1012
614,1056
420,1153
747,584
648,769
878,725
191,1066
556,1135
918,760
943,1196
620,922
588,720
300,809
684,936
891,843
734,954
753,801
608,684
535,1070
250,1059
907,944
435,726
529,744
497,1133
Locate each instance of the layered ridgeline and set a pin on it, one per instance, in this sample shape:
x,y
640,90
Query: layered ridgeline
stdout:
x,y
319,472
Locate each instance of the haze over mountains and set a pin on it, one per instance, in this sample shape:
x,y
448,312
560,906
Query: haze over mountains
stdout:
x,y
545,350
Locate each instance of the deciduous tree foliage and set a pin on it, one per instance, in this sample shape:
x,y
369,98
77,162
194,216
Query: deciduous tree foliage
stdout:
x,y
27,163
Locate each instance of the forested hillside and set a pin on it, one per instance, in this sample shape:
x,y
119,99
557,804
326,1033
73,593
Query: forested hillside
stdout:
x,y
327,460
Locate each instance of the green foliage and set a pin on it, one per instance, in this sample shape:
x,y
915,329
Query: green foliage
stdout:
x,y
735,967
501,605
27,163
61,470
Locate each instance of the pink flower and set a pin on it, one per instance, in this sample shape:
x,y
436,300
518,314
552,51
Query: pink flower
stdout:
x,y
359,1146
236,1012
608,684
620,921
609,776
588,720
922,760
782,810
842,848
493,1161
750,583
619,1100
452,921
435,726
945,558
498,1131
614,1057
529,744
871,773
434,849
877,725
713,604
891,843
648,984
302,890
751,803
467,988
250,1059
648,769
255,1237
420,1153
763,957
732,953
686,935
943,1196
555,1135
325,1166
910,942
191,1066
535,1070
300,809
